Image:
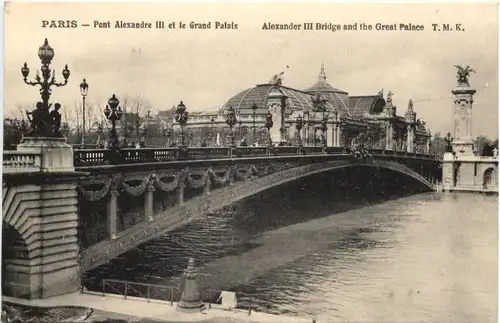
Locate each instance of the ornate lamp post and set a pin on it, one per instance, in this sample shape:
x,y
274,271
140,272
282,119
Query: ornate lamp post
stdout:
x,y
181,116
269,125
298,125
231,121
449,140
254,111
240,130
40,121
84,88
113,113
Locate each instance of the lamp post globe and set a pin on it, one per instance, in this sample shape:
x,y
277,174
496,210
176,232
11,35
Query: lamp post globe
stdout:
x,y
25,71
231,121
84,87
107,112
46,53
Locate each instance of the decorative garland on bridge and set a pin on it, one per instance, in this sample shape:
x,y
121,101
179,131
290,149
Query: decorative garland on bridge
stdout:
x,y
154,181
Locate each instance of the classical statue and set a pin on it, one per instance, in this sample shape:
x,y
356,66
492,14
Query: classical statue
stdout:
x,y
55,120
389,96
39,121
463,74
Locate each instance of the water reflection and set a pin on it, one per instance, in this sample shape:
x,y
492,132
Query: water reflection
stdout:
x,y
349,254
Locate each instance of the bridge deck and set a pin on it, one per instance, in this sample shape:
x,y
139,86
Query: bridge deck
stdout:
x,y
156,310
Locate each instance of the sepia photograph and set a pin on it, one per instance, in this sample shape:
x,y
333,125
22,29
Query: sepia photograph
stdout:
x,y
232,162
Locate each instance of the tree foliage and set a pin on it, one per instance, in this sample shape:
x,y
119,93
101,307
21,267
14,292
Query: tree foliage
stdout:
x,y
13,131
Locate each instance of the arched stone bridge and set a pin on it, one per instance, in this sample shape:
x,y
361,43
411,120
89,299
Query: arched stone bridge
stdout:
x,y
42,204
225,180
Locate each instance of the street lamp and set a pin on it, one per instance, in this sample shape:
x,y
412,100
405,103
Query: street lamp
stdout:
x,y
299,123
113,113
240,131
84,88
40,121
181,116
231,121
212,122
269,125
254,111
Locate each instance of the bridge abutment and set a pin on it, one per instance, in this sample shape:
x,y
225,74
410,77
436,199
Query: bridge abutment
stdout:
x,y
40,220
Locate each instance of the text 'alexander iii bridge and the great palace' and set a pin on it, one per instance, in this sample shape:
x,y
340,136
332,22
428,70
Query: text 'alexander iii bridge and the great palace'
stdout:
x,y
48,186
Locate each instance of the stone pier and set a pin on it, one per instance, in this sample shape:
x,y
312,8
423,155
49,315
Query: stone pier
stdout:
x,y
39,220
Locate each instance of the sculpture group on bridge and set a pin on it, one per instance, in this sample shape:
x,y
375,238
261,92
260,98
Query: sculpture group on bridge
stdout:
x,y
44,123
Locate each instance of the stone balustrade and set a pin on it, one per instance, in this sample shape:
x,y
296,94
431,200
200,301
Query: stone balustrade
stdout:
x,y
21,162
100,157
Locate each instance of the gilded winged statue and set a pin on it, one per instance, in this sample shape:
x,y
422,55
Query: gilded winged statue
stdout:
x,y
463,74
277,79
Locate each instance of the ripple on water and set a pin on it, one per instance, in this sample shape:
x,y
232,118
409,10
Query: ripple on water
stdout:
x,y
429,257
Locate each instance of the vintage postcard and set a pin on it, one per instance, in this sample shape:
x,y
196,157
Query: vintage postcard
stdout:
x,y
250,162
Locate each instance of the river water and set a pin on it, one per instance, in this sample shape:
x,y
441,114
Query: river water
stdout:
x,y
359,253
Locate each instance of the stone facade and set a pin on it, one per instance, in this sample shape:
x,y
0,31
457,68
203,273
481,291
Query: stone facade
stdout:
x,y
349,120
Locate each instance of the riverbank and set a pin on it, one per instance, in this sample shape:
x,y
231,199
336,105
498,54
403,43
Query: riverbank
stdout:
x,y
114,308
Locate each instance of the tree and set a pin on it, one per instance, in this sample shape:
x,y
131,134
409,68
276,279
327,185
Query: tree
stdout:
x,y
13,131
135,109
438,145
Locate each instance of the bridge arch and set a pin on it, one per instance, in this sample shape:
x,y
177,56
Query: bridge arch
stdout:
x,y
14,251
198,206
489,177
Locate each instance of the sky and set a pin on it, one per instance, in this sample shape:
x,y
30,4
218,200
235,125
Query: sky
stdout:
x,y
204,68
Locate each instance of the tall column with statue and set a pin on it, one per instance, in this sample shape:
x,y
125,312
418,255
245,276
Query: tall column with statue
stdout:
x,y
463,97
276,101
457,173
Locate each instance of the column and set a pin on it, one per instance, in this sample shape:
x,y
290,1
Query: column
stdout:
x,y
409,139
112,212
338,136
330,135
148,202
388,137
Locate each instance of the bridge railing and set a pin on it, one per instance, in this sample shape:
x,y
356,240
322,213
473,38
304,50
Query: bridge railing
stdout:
x,y
21,162
141,290
172,294
95,157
